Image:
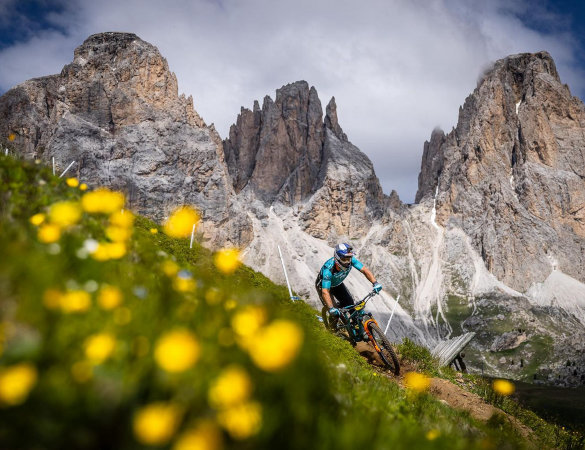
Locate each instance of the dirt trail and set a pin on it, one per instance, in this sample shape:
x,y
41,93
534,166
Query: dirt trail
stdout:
x,y
455,396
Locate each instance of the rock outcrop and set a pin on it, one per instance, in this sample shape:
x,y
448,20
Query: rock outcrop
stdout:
x,y
512,173
115,111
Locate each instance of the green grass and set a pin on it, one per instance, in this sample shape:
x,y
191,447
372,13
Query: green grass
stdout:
x,y
326,396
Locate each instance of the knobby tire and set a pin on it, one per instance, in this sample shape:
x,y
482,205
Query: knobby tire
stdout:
x,y
387,352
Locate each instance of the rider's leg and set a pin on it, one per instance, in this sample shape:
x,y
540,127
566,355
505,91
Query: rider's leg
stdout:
x,y
342,295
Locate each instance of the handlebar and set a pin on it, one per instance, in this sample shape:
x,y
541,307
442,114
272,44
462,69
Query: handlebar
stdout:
x,y
362,301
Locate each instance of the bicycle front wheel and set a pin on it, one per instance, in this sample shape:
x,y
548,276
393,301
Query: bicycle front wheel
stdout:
x,y
386,351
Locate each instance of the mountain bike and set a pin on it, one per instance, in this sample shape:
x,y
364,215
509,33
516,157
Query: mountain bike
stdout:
x,y
360,326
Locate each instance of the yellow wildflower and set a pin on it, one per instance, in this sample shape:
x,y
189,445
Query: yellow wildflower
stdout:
x,y
170,268
417,382
205,436
99,347
156,423
82,371
503,387
276,345
49,233
184,284
16,382
83,187
11,137
123,219
433,434
153,230
230,304
177,350
109,250
118,234
75,301
122,316
249,320
227,260
241,421
37,219
232,387
52,298
109,297
65,213
102,201
212,296
180,223
72,182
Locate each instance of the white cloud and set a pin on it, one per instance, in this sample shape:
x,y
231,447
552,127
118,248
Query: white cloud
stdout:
x,y
397,68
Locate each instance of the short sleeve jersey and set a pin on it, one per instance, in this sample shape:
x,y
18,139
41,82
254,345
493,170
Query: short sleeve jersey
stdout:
x,y
331,278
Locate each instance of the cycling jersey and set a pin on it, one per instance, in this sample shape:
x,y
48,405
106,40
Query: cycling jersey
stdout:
x,y
331,278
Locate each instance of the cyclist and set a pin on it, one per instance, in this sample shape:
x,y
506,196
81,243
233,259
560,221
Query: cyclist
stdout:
x,y
329,282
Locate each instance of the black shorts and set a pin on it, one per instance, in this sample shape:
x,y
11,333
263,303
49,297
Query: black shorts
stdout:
x,y
339,294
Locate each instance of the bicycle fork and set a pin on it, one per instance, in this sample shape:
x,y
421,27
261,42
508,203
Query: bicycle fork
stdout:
x,y
372,340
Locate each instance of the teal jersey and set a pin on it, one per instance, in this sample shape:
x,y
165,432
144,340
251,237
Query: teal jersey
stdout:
x,y
331,278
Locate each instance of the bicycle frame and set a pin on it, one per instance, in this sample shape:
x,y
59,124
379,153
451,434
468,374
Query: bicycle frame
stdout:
x,y
352,319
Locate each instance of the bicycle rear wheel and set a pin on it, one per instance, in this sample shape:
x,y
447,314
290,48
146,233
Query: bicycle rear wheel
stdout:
x,y
386,351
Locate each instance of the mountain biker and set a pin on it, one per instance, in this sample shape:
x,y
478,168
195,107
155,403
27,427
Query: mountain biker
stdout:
x,y
329,282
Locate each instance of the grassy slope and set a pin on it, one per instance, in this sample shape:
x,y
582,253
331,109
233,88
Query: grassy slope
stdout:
x,y
327,397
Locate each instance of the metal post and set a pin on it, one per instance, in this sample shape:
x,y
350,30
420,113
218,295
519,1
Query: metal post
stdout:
x,y
192,235
286,276
68,167
391,315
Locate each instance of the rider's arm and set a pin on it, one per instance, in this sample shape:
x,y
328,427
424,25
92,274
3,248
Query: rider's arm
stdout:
x,y
327,298
369,275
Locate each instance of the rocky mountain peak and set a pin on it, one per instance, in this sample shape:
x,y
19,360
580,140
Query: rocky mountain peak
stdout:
x,y
331,121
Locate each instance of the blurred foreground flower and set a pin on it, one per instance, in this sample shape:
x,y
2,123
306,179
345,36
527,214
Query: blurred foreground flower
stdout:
x,y
16,382
49,233
177,351
249,320
109,250
180,223
109,297
153,230
241,421
102,201
276,345
232,387
37,219
75,301
155,424
99,347
72,182
227,260
503,387
432,434
123,219
417,382
65,213
205,436
83,187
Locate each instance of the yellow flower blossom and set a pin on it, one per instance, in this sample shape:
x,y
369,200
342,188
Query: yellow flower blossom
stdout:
x,y
49,233
37,219
183,284
227,260
213,296
109,250
16,382
432,434
109,297
417,382
118,234
52,298
65,213
99,347
11,137
122,316
177,350
249,320
156,423
153,230
503,387
180,223
230,304
170,268
276,345
82,371
205,436
75,301
241,421
83,187
102,201
123,219
232,387
72,182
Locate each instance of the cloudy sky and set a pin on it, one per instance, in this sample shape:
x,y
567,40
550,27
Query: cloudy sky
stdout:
x,y
397,68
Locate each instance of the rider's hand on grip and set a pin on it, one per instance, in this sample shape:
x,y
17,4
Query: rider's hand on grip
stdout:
x,y
377,287
334,312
